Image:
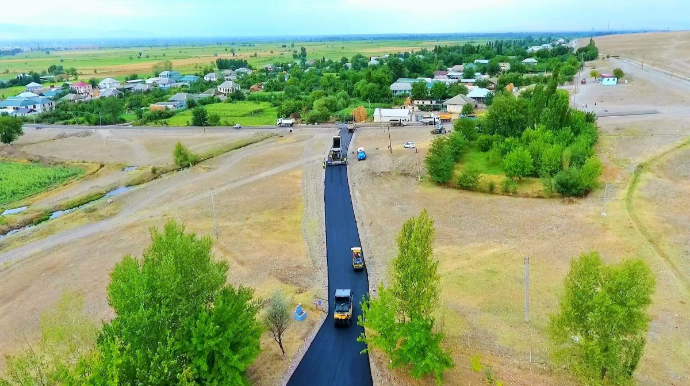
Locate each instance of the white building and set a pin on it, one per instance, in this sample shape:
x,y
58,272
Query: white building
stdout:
x,y
400,88
108,83
454,104
228,87
479,94
33,87
211,77
387,115
530,61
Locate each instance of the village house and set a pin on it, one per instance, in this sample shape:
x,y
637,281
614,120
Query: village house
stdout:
x,y
110,93
401,88
481,61
479,94
108,83
141,88
81,88
228,87
505,66
456,68
33,87
211,77
454,105
76,98
174,75
36,103
188,79
530,61
165,83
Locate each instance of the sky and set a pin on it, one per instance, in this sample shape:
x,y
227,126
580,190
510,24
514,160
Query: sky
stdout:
x,y
235,18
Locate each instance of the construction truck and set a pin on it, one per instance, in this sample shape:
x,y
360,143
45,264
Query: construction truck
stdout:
x,y
285,122
337,155
357,258
351,127
430,120
342,314
397,122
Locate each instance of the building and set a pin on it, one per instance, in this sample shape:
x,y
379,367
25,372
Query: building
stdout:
x,y
481,61
134,81
387,115
608,80
36,103
81,88
33,87
244,70
373,62
479,94
165,106
75,98
228,87
110,93
427,105
187,79
182,98
174,75
505,66
53,92
454,104
108,83
165,83
401,88
530,62
211,77
456,68
141,88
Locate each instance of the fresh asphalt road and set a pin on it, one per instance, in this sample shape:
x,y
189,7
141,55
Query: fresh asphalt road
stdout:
x,y
334,356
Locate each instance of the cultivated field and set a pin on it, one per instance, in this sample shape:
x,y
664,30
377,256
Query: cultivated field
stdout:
x,y
269,207
120,62
245,113
482,239
666,50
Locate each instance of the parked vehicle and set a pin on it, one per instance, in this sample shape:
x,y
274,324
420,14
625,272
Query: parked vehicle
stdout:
x,y
432,120
438,130
237,126
357,258
398,122
285,122
361,155
342,314
409,145
336,156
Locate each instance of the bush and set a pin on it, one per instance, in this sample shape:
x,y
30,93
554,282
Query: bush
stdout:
x,y
458,144
509,186
199,117
183,157
618,73
486,142
468,127
518,163
214,120
467,109
469,179
492,187
439,161
568,182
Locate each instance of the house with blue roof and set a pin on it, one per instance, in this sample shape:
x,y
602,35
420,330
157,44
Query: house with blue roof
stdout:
x,y
38,103
188,79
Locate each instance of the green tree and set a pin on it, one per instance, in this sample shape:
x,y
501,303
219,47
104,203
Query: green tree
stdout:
x,y
438,91
67,336
163,65
183,157
112,109
399,320
419,91
440,161
618,73
594,74
467,109
468,127
199,116
458,144
518,163
600,329
10,129
214,119
507,116
468,73
177,318
277,317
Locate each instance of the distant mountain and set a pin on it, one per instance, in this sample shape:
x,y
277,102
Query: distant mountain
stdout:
x,y
12,33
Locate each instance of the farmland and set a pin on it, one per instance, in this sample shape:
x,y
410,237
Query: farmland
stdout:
x,y
19,180
120,62
245,113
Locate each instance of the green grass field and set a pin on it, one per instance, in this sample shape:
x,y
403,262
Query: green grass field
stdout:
x,y
244,113
20,180
120,62
475,158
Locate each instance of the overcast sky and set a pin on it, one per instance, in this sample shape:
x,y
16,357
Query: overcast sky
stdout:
x,y
187,18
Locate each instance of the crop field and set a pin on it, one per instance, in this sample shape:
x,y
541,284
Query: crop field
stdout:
x,y
245,113
19,180
120,62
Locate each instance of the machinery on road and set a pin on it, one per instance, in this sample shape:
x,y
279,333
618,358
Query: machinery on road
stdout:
x,y
351,127
336,156
285,122
342,314
397,122
357,258
438,130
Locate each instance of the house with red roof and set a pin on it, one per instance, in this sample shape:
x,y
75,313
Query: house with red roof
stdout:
x,y
81,88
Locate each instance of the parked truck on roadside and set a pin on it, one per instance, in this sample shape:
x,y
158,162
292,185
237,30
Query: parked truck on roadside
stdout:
x,y
342,314
337,155
285,122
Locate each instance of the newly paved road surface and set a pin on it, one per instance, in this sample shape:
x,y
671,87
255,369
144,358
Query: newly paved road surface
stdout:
x,y
334,356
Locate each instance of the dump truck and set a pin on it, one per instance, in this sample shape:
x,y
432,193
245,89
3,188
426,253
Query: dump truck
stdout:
x,y
285,122
357,258
336,156
342,314
351,127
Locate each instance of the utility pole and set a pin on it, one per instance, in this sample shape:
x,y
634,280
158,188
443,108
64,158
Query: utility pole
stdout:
x,y
215,222
390,144
526,289
416,156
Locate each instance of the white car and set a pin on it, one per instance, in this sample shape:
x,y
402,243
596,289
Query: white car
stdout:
x,y
237,126
409,145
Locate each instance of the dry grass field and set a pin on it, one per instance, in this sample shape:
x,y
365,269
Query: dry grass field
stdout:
x,y
669,51
269,208
482,239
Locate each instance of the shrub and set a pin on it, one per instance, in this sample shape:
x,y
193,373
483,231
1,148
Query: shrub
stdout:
x,y
183,157
518,163
439,161
467,127
486,142
458,144
618,73
509,186
467,109
547,186
199,117
469,179
214,119
568,182
492,187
